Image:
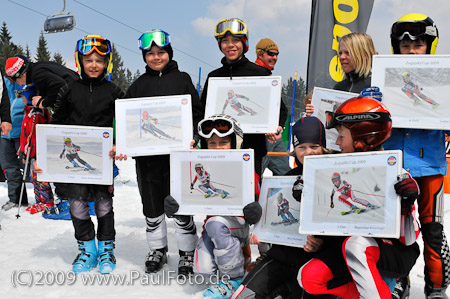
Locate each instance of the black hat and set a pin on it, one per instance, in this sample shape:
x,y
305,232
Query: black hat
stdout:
x,y
308,130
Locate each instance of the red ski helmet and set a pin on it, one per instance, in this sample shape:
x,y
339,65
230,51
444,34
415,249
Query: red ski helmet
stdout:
x,y
368,120
144,114
335,177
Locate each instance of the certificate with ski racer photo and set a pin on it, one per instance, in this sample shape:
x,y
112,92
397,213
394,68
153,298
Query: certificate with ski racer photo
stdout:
x,y
212,182
351,194
415,89
279,222
328,100
253,101
153,125
74,154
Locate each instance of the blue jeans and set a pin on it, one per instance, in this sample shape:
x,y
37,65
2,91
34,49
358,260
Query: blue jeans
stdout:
x,y
12,166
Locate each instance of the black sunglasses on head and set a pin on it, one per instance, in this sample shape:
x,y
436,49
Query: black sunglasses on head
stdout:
x,y
273,53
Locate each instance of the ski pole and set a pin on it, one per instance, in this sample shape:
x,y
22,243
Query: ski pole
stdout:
x,y
223,184
90,153
25,168
255,103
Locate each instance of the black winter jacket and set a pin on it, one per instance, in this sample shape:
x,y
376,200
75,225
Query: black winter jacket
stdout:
x,y
49,77
353,83
5,105
87,102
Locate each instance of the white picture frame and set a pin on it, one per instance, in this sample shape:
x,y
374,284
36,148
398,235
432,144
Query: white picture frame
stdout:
x,y
153,125
420,101
255,102
325,99
371,176
230,171
278,226
89,145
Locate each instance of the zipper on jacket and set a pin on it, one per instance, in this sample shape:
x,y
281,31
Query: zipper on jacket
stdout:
x,y
160,73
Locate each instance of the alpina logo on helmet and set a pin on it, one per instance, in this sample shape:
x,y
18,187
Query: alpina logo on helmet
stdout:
x,y
357,117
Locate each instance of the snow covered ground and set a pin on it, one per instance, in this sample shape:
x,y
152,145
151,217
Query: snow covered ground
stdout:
x,y
36,255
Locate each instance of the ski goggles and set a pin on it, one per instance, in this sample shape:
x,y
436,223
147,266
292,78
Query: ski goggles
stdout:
x,y
413,29
87,45
159,37
221,127
334,119
233,26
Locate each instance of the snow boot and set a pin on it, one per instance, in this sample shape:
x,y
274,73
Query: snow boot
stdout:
x,y
106,258
435,293
59,212
223,290
87,258
155,260
186,263
92,208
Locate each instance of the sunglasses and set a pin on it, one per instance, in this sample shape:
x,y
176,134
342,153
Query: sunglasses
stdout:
x,y
272,54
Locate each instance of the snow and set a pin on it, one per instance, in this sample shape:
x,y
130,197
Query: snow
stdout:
x,y
33,247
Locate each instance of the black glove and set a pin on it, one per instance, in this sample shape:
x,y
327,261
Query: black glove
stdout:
x,y
171,206
192,186
252,212
332,205
407,188
61,156
297,188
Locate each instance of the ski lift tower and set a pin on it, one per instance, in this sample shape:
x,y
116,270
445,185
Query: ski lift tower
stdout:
x,y
59,22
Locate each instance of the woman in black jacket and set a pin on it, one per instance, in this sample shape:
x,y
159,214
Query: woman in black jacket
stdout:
x,y
162,78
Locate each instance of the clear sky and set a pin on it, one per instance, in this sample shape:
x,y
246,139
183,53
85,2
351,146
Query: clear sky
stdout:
x,y
191,25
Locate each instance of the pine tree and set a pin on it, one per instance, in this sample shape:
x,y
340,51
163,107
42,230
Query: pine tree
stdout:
x,y
118,76
42,52
28,52
58,58
129,77
136,75
300,93
7,48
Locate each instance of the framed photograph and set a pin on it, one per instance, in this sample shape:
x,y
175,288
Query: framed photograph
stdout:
x,y
351,194
279,223
253,101
153,125
74,154
212,182
328,100
415,89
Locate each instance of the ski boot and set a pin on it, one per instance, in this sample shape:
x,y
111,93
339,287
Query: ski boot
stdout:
x,y
225,194
91,205
435,293
434,105
371,206
75,164
87,258
186,263
89,167
155,260
106,258
223,290
401,289
60,211
39,207
208,194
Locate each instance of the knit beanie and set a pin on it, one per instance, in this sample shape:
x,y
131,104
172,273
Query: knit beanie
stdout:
x,y
308,130
265,45
16,66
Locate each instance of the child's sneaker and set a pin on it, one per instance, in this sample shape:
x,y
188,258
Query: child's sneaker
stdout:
x,y
223,290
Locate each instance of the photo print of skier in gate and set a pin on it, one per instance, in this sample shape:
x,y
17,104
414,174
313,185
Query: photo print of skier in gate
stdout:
x,y
414,92
348,196
233,100
205,185
148,125
283,211
70,151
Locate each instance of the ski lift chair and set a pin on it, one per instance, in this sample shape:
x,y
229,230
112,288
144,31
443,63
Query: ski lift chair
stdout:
x,y
59,22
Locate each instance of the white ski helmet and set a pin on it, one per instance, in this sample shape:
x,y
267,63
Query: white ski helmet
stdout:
x,y
198,166
222,125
